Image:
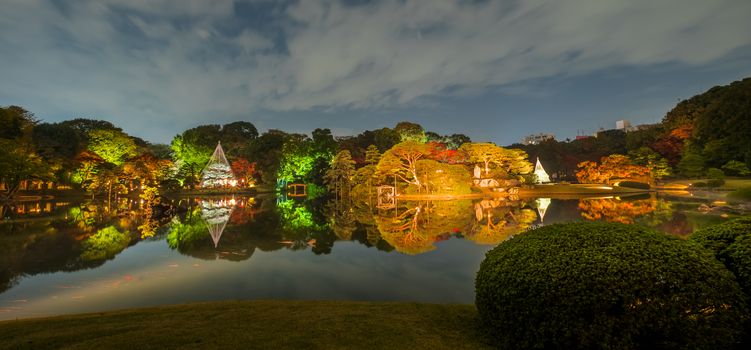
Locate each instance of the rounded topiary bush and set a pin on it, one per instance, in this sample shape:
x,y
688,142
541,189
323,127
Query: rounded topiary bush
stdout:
x,y
731,244
604,285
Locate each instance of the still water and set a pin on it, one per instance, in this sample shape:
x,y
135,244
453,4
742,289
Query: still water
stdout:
x,y
68,257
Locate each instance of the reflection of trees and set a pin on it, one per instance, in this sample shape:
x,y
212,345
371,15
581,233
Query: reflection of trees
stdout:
x,y
245,229
403,232
496,220
414,230
49,245
615,209
342,220
105,244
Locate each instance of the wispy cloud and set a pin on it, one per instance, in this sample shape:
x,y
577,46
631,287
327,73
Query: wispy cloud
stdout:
x,y
185,62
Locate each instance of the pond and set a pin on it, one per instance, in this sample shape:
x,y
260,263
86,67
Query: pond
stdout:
x,y
59,257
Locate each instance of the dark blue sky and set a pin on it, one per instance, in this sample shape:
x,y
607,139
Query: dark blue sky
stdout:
x,y
494,70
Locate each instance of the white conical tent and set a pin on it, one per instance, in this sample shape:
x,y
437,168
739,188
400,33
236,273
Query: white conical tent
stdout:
x,y
542,176
217,172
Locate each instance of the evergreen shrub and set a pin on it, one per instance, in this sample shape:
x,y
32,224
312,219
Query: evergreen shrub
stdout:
x,y
606,285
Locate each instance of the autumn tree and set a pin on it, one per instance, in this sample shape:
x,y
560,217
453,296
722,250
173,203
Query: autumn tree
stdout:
x,y
147,169
401,161
244,170
483,153
612,167
514,161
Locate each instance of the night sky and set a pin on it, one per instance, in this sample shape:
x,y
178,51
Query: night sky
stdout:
x,y
494,70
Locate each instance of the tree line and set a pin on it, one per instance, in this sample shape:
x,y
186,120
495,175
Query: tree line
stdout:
x,y
700,136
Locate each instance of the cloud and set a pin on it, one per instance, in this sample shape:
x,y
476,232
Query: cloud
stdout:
x,y
191,62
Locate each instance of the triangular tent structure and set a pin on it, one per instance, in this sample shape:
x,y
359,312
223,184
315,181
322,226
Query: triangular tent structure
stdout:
x,y
542,176
217,172
542,207
216,214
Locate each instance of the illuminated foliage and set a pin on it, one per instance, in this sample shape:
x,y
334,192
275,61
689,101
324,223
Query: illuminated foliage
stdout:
x,y
401,161
482,153
410,132
245,170
190,158
372,155
87,164
105,244
610,168
147,169
657,165
440,178
339,177
113,146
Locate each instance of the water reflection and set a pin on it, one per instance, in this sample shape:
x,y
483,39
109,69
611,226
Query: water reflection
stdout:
x,y
39,240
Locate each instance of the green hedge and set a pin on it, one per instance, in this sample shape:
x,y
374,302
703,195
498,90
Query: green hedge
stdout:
x,y
605,285
731,244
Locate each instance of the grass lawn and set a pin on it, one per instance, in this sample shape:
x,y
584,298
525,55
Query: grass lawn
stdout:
x,y
562,190
731,183
256,325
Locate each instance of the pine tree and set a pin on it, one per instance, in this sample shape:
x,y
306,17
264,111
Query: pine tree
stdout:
x,y
339,177
372,155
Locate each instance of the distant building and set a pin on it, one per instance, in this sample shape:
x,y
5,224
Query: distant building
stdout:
x,y
536,139
623,125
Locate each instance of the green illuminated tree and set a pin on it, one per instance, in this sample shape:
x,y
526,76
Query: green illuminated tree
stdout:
x,y
657,165
112,145
410,132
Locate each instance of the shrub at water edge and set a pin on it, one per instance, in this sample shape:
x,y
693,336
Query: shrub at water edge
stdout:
x,y
731,244
605,285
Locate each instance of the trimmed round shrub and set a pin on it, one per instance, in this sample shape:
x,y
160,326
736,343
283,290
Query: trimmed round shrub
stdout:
x,y
634,184
606,285
699,184
715,183
731,243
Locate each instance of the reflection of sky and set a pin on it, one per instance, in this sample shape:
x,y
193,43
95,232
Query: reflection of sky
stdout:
x,y
150,274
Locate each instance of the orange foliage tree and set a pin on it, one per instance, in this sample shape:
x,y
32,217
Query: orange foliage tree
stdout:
x,y
243,169
615,166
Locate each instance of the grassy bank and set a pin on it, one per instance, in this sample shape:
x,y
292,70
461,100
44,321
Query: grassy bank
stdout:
x,y
256,324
